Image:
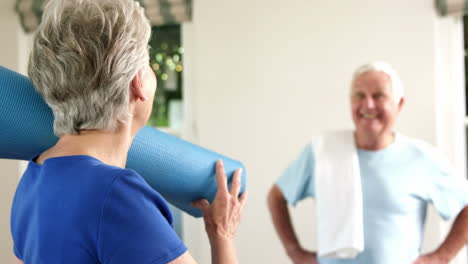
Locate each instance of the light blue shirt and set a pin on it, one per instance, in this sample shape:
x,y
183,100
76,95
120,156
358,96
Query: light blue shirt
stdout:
x,y
397,184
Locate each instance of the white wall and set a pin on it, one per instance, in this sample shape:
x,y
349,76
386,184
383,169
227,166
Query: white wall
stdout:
x,y
13,54
267,75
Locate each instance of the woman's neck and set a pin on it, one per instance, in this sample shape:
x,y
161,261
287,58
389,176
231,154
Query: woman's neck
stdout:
x,y
110,147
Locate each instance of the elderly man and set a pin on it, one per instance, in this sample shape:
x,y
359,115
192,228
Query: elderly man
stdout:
x,y
386,202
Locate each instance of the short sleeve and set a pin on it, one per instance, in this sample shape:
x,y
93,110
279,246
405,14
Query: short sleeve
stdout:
x,y
136,225
447,192
449,195
297,182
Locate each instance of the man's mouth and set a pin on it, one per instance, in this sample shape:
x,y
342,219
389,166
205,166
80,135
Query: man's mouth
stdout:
x,y
368,116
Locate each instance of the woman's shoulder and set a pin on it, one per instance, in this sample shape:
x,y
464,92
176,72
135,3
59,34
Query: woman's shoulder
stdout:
x,y
129,188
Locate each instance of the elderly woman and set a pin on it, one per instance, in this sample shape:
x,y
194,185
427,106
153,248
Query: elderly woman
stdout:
x,y
76,202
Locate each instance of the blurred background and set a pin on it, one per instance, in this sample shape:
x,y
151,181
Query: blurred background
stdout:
x,y
256,79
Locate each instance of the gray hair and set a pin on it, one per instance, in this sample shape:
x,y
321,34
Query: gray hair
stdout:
x,y
85,55
381,66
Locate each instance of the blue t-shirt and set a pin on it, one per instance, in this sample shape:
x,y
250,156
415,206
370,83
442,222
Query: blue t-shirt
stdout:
x,y
76,209
397,184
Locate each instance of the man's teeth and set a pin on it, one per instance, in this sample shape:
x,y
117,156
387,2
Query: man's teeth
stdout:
x,y
369,115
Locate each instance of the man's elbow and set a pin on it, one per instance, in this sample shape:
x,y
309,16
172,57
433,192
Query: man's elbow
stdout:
x,y
275,197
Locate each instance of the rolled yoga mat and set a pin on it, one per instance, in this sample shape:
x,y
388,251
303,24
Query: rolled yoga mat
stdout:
x,y
180,171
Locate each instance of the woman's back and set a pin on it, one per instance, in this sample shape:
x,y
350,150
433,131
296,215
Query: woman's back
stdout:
x,y
76,209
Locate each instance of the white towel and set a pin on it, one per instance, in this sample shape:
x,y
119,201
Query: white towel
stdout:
x,y
338,196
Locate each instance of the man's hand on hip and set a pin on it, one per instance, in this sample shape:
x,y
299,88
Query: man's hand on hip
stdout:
x,y
302,256
431,258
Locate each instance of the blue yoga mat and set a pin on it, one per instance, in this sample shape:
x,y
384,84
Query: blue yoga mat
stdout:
x,y
179,170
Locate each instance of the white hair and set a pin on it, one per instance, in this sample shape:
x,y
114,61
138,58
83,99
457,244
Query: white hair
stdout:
x,y
381,66
85,55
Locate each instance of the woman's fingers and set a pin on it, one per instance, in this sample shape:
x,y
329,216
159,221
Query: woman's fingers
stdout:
x,y
202,204
243,200
236,183
223,194
221,179
223,215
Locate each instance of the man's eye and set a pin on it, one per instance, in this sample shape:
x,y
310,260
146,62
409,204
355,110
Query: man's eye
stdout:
x,y
379,96
359,96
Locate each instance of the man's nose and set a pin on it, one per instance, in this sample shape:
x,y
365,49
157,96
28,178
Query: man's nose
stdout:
x,y
369,102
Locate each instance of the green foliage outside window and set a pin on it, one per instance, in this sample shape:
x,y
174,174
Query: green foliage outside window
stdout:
x,y
166,60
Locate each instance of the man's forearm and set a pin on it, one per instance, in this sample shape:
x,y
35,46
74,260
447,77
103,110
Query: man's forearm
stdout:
x,y
282,220
457,237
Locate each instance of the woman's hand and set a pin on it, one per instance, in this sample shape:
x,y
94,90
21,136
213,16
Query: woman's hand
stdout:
x,y
223,216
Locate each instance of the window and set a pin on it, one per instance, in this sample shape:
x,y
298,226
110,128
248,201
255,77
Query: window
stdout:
x,y
166,60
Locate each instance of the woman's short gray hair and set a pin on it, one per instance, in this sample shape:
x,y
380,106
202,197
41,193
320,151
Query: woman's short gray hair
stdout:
x,y
381,66
85,55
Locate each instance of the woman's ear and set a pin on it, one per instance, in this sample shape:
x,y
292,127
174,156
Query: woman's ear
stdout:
x,y
136,87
